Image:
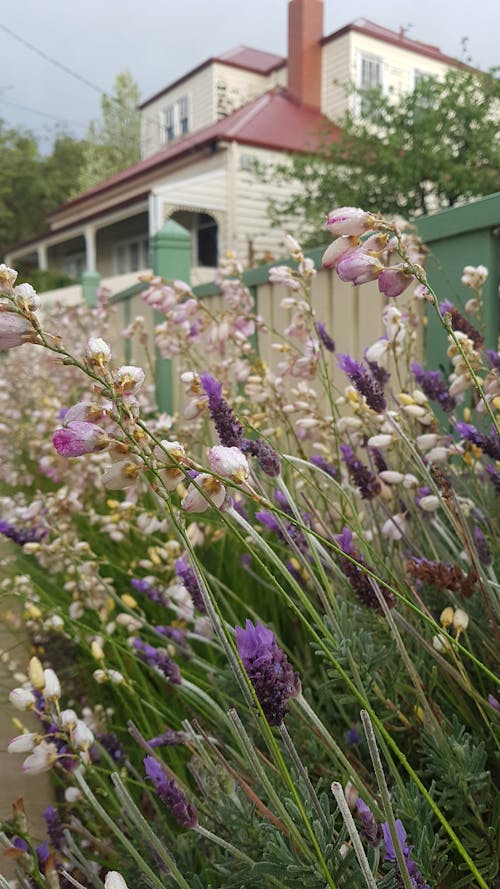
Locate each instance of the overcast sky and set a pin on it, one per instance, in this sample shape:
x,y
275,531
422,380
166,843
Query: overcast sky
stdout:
x,y
159,40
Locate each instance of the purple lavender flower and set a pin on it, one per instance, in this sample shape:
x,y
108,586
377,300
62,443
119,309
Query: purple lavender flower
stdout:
x,y
353,736
364,382
458,322
156,657
356,574
325,337
482,547
265,454
493,702
416,877
494,477
170,738
433,385
176,634
54,827
20,844
268,669
229,428
42,853
379,373
111,745
143,586
490,444
319,461
20,535
493,359
371,831
364,479
188,577
171,794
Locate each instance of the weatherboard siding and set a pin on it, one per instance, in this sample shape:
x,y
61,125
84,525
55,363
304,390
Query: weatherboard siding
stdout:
x,y
335,72
199,88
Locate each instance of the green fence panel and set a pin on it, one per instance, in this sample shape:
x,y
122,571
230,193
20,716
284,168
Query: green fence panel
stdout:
x,y
460,236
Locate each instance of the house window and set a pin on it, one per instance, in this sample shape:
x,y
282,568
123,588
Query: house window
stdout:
x,y
74,265
370,78
184,114
131,255
169,123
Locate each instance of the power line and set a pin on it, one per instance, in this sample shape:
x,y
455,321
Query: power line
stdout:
x,y
78,123
47,58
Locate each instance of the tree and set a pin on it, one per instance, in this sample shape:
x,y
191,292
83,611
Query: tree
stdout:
x,y
32,185
408,156
113,143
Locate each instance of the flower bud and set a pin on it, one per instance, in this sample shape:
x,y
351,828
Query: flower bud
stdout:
x,y
460,620
35,672
52,686
114,880
22,743
98,352
446,618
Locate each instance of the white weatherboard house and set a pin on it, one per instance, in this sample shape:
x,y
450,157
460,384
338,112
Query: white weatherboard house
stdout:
x,y
201,136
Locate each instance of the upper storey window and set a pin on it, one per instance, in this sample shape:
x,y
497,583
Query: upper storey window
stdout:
x,y
174,120
369,78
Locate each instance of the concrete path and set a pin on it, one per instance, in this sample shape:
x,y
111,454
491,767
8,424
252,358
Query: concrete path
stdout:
x,y
35,791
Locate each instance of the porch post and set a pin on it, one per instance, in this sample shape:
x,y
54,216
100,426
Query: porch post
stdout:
x,y
41,252
90,286
171,258
90,251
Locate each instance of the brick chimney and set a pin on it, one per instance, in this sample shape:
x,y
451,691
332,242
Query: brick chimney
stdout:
x,y
305,30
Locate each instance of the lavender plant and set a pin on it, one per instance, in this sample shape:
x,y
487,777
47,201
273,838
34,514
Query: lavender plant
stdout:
x,y
351,531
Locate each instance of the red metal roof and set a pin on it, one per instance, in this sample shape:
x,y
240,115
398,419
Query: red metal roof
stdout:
x,y
245,57
397,38
252,59
272,121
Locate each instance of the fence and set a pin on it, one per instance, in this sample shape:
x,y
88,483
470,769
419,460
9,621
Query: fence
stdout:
x,y
352,315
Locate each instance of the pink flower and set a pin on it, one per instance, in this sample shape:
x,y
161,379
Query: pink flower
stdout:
x,y
281,274
337,250
349,221
15,331
228,462
196,501
7,278
79,437
394,281
359,267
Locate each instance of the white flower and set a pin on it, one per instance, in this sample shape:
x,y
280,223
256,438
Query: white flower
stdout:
x,y
129,378
394,527
27,298
196,501
391,477
98,351
378,352
22,699
72,794
115,677
228,462
7,278
438,455
429,503
41,760
426,441
114,880
22,743
120,475
52,689
440,643
36,674
83,737
68,719
380,441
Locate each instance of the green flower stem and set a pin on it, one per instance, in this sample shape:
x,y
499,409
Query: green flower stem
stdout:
x,y
266,783
385,796
338,755
203,832
294,756
155,881
149,835
338,793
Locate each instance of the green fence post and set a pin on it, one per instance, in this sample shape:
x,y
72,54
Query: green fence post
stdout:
x,y
171,259
90,286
